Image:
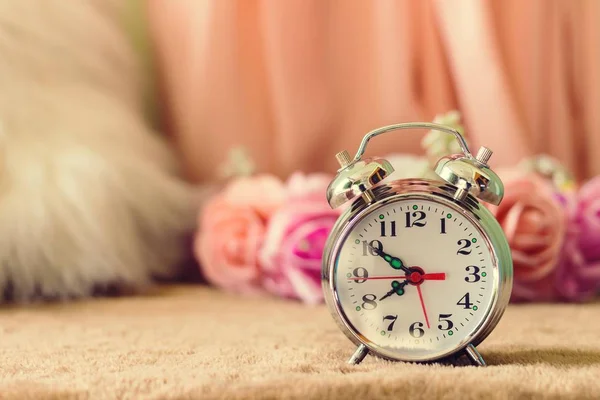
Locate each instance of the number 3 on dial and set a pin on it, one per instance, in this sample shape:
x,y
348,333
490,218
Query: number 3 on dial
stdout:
x,y
474,275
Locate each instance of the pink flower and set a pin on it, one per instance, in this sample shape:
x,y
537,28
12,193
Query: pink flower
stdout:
x,y
578,275
296,235
534,224
232,229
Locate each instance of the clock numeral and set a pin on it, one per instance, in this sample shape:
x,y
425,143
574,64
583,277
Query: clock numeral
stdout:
x,y
419,215
443,227
392,318
392,228
371,248
465,244
360,272
416,330
444,318
475,274
466,303
369,302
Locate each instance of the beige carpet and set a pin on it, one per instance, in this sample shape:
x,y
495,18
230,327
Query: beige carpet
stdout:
x,y
194,342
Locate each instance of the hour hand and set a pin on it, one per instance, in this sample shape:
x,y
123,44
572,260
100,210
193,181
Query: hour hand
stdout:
x,y
394,262
397,288
388,294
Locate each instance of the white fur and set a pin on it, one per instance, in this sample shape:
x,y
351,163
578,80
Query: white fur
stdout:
x,y
89,196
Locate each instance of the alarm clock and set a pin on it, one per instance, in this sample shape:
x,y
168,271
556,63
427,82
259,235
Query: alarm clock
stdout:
x,y
416,270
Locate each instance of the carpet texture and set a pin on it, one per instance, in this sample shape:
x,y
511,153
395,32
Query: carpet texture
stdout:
x,y
196,342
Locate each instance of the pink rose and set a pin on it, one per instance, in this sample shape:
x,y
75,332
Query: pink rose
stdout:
x,y
231,230
296,235
578,275
534,224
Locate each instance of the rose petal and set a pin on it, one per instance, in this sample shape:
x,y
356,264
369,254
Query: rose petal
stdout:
x,y
591,273
511,219
315,230
226,245
296,234
263,193
532,267
589,224
531,242
305,287
304,187
534,225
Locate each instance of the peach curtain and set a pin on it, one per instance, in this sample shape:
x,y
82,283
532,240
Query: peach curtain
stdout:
x,y
295,81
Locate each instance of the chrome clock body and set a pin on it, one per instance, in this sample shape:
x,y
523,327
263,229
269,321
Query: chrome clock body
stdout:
x,y
436,192
372,203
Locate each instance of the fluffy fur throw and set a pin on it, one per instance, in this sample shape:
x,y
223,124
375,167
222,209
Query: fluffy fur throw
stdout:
x,y
89,197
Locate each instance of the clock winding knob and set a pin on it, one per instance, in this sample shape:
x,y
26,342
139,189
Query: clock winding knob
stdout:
x,y
343,158
483,155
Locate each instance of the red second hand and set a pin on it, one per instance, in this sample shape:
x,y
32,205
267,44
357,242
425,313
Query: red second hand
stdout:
x,y
439,276
423,306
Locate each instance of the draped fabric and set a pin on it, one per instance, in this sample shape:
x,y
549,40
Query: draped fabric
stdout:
x,y
296,81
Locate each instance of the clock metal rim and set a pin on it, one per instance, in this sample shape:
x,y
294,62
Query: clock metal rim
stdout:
x,y
442,193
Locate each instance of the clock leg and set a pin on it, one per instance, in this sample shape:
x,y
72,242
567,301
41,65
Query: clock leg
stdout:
x,y
359,355
474,355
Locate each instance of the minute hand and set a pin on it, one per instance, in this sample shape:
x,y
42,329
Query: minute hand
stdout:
x,y
394,262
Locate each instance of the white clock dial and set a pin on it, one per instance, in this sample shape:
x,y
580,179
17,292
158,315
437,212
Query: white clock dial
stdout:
x,y
416,278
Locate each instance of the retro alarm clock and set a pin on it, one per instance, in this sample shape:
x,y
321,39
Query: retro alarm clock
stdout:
x,y
416,270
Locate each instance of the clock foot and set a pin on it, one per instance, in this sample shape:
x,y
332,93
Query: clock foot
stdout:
x,y
474,355
359,355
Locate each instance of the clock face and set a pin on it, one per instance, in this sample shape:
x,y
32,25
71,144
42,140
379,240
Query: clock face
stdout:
x,y
415,278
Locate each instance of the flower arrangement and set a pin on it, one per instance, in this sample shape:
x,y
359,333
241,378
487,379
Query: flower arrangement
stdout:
x,y
260,234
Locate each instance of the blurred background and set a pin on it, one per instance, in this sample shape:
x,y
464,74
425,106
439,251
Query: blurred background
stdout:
x,y
296,81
